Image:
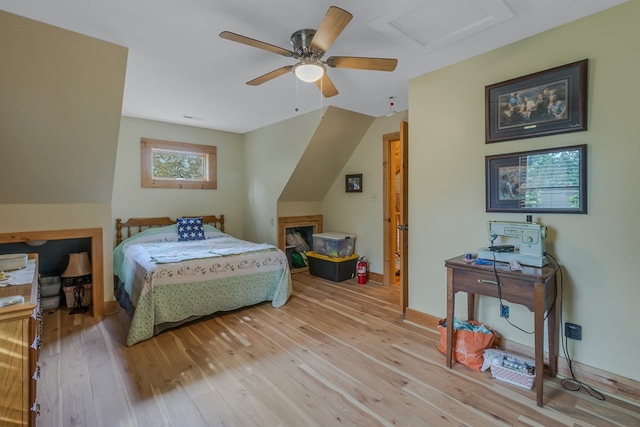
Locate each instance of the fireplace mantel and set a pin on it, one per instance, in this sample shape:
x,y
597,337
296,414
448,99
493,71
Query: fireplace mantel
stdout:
x,y
97,267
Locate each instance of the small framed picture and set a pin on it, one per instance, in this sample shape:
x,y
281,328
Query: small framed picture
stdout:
x,y
353,183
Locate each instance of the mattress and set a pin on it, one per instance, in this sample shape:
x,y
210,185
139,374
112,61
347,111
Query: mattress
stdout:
x,y
167,281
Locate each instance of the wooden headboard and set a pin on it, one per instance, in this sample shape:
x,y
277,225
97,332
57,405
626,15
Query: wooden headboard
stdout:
x,y
136,225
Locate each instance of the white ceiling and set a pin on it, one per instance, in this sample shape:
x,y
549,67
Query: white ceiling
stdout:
x,y
178,66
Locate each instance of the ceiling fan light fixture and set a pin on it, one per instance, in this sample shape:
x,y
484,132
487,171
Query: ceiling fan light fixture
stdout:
x,y
309,46
309,71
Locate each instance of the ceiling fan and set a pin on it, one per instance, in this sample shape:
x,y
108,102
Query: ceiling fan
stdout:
x,y
308,47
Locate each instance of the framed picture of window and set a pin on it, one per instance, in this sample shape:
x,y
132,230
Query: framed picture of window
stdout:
x,y
548,102
353,183
550,180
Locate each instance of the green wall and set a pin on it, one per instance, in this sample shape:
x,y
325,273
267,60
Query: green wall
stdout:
x,y
60,105
131,200
362,213
270,157
597,251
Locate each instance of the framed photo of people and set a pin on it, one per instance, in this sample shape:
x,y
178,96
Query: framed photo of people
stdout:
x,y
549,180
544,103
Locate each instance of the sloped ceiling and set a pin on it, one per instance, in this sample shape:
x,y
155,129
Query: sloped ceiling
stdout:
x,y
180,71
333,142
60,107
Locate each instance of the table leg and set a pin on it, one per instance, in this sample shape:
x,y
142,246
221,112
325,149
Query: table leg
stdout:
x,y
471,306
552,333
539,338
450,310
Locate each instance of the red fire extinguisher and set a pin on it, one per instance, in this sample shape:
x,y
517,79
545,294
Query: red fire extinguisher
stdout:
x,y
362,271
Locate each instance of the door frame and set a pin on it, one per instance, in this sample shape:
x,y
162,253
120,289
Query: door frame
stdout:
x,y
388,228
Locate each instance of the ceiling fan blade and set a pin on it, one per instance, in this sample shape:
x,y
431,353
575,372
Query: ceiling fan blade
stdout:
x,y
330,28
257,43
270,75
374,64
326,86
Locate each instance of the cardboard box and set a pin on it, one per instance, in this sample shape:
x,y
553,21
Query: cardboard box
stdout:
x,y
334,245
334,269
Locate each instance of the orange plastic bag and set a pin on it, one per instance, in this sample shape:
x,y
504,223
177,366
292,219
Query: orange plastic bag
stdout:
x,y
469,346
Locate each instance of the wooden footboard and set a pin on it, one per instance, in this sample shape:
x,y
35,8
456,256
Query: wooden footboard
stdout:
x,y
136,225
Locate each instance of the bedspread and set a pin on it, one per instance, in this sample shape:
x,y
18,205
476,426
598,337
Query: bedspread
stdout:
x,y
222,274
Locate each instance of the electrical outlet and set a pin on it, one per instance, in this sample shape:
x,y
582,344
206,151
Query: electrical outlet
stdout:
x,y
504,311
573,331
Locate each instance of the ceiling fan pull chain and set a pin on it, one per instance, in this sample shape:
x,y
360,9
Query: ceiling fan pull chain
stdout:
x,y
296,79
321,92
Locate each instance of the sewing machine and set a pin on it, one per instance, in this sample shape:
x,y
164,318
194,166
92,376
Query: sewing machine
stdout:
x,y
527,239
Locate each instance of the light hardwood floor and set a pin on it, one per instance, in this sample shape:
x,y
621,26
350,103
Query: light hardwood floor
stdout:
x,y
335,354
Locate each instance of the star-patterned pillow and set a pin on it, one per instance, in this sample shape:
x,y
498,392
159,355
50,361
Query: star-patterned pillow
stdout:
x,y
190,229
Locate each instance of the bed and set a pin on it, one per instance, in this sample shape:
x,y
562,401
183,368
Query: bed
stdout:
x,y
167,273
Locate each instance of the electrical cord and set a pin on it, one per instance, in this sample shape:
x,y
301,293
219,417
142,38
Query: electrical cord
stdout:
x,y
499,286
492,238
572,384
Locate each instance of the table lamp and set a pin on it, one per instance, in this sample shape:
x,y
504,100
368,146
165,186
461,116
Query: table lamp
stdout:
x,y
78,273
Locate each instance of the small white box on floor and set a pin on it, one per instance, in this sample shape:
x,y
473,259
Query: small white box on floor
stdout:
x,y
512,368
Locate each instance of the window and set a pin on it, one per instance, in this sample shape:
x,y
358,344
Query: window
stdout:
x,y
166,164
552,179
547,180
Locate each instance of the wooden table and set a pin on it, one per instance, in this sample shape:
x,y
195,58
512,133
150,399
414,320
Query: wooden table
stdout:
x,y
533,287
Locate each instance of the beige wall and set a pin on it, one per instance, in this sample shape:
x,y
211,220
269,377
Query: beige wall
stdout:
x,y
299,208
271,155
361,213
60,106
130,200
446,184
59,120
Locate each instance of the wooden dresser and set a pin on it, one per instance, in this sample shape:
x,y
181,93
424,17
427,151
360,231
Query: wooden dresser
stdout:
x,y
20,343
